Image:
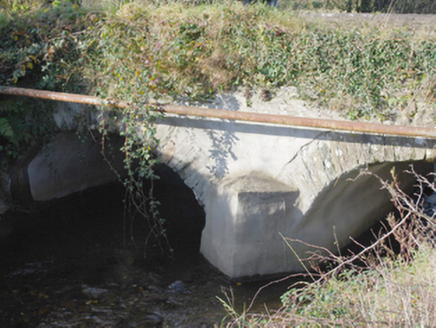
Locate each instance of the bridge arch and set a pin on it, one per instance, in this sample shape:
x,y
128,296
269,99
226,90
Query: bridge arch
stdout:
x,y
258,181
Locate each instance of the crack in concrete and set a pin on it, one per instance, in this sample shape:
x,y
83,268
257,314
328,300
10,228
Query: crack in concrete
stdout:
x,y
299,151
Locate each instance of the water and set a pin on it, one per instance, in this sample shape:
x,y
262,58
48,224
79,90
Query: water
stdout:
x,y
71,264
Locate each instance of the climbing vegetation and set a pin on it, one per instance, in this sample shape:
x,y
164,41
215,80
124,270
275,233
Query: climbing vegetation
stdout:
x,y
20,128
172,50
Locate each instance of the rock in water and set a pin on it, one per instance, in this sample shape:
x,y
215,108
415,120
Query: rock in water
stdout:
x,y
177,286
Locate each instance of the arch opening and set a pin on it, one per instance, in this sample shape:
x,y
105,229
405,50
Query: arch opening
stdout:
x,y
355,207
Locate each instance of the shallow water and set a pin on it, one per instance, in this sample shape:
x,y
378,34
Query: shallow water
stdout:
x,y
71,264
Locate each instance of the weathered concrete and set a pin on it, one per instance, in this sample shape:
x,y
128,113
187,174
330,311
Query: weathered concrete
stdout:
x,y
258,181
255,181
69,164
245,215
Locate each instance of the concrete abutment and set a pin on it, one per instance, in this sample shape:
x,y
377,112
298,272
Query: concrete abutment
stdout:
x,y
244,217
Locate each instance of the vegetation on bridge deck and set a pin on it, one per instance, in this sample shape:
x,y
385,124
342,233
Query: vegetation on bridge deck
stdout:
x,y
137,49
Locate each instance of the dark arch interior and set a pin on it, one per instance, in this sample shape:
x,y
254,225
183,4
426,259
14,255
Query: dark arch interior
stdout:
x,y
87,231
410,186
55,257
184,217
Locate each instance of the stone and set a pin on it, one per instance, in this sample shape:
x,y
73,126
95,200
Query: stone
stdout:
x,y
177,286
310,169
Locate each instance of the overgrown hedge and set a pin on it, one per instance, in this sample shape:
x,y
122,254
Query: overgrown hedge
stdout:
x,y
141,48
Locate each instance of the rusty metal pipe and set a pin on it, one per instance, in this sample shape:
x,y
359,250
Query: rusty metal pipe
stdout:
x,y
398,130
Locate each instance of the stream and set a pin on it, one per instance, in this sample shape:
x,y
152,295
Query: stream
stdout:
x,y
72,263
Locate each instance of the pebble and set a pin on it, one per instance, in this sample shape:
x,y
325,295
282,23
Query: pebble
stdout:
x,y
92,291
153,318
177,286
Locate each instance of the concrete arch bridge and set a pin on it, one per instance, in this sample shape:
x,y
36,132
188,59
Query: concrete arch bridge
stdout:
x,y
256,181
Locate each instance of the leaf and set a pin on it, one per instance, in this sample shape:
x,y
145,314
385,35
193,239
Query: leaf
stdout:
x,y
6,129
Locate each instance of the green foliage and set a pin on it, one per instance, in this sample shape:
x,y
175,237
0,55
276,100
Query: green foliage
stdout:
x,y
174,50
364,74
23,125
43,47
6,130
40,47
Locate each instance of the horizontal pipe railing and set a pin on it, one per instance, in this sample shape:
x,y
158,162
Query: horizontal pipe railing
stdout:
x,y
398,130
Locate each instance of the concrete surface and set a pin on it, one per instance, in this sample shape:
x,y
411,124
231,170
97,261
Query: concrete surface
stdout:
x,y
256,182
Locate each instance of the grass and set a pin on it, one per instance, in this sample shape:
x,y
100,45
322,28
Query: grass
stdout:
x,y
389,293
